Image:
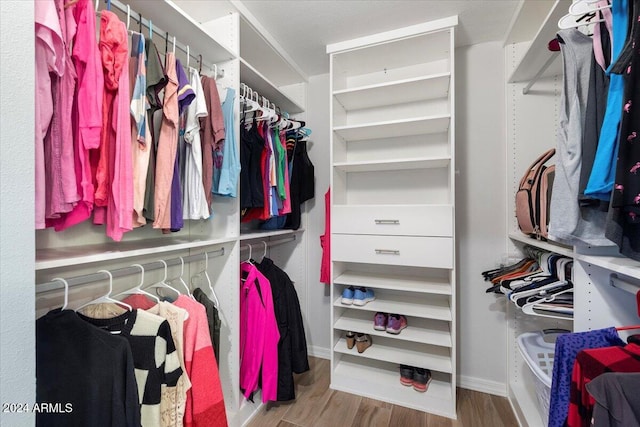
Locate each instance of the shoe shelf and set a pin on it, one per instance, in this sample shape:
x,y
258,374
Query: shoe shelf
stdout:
x,y
422,306
394,92
424,331
394,282
410,353
381,381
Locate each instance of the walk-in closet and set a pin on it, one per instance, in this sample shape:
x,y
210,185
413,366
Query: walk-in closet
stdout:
x,y
319,213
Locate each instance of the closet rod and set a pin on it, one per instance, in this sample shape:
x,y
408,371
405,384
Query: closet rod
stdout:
x,y
269,243
124,271
623,284
535,78
163,34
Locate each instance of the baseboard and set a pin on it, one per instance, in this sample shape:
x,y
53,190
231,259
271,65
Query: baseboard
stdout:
x,y
482,385
320,352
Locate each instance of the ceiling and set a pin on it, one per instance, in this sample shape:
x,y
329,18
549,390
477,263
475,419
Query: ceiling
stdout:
x,y
304,27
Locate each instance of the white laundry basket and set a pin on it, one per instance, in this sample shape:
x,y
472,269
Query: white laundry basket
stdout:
x,y
538,349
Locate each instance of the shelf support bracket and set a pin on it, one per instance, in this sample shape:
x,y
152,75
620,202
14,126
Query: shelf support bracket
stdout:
x,y
535,78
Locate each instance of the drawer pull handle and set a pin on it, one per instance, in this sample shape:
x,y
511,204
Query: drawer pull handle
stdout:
x,y
387,221
387,252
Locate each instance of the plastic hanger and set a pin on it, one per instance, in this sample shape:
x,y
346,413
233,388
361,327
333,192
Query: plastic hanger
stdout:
x,y
181,280
249,260
107,297
174,45
188,56
205,273
150,30
581,7
573,21
163,283
264,255
66,291
138,289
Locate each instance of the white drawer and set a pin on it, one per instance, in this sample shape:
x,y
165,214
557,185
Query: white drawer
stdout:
x,y
434,252
396,220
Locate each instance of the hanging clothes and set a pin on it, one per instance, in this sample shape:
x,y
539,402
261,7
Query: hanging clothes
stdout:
x,y
302,181
567,348
259,335
286,203
157,80
567,222
185,97
81,365
49,50
167,147
154,356
292,346
173,400
602,176
213,320
61,187
205,401
194,199
588,366
212,133
325,241
617,399
114,190
226,165
623,222
140,136
251,188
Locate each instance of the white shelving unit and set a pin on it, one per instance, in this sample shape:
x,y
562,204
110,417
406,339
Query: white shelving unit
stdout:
x,y
392,210
597,304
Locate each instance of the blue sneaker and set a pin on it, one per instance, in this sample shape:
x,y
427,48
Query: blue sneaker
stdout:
x,y
347,295
362,296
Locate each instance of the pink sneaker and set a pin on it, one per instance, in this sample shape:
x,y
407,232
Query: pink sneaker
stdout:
x,y
380,321
396,323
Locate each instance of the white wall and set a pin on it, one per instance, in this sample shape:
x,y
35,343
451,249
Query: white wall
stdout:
x,y
480,214
17,248
318,302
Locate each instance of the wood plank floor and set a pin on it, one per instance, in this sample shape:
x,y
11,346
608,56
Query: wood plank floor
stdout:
x,y
318,406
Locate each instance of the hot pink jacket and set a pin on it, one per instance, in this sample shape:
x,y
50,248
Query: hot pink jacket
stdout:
x,y
259,335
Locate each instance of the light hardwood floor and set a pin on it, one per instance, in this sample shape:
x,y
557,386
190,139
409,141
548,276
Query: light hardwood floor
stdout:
x,y
316,405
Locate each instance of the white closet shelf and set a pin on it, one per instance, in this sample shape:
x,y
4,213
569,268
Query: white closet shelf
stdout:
x,y
394,164
538,54
394,282
618,264
170,17
412,354
394,128
395,92
428,332
76,255
259,234
259,83
381,383
418,306
527,405
548,245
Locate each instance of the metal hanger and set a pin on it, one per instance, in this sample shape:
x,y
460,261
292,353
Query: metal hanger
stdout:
x,y
107,297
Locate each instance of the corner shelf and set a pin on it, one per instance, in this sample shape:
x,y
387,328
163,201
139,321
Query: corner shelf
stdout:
x,y
546,245
537,54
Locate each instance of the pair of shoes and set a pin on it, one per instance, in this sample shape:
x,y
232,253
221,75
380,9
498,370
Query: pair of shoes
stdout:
x,y
392,323
419,378
351,339
357,296
363,342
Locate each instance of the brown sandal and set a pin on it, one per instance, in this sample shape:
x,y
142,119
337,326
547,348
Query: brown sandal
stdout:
x,y
363,342
351,339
